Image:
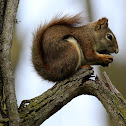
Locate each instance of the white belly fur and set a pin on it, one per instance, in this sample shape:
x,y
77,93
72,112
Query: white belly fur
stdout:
x,y
79,50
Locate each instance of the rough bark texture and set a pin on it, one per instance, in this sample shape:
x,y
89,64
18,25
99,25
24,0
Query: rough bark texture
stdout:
x,y
35,111
8,104
42,107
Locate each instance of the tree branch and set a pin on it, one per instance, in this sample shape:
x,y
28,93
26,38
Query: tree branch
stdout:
x,y
35,111
8,104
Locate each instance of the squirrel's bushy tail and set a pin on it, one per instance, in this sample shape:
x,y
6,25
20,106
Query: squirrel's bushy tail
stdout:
x,y
37,50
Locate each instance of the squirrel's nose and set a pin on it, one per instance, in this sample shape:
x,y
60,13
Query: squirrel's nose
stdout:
x,y
116,51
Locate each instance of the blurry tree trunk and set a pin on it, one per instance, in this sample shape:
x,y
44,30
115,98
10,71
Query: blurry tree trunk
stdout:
x,y
88,3
35,111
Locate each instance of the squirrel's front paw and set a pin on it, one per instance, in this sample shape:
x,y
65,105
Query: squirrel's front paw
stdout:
x,y
106,60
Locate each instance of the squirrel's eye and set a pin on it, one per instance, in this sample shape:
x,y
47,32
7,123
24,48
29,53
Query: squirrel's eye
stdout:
x,y
109,37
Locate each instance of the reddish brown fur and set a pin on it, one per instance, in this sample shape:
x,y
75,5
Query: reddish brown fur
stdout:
x,y
37,51
55,58
66,20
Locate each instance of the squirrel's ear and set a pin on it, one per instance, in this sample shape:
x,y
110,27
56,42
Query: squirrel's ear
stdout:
x,y
101,23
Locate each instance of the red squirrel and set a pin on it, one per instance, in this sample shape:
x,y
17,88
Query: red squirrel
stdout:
x,y
61,47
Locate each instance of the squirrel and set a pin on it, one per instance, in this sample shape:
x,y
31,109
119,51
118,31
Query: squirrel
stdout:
x,y
61,47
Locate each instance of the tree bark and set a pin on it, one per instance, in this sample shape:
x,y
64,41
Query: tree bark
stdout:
x,y
35,111
8,104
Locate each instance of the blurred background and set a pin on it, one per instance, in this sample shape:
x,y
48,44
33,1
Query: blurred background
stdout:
x,y
84,110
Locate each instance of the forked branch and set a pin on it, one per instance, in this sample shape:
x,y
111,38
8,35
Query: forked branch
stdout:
x,y
37,110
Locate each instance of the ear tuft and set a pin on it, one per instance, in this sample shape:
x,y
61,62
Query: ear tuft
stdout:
x,y
101,23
